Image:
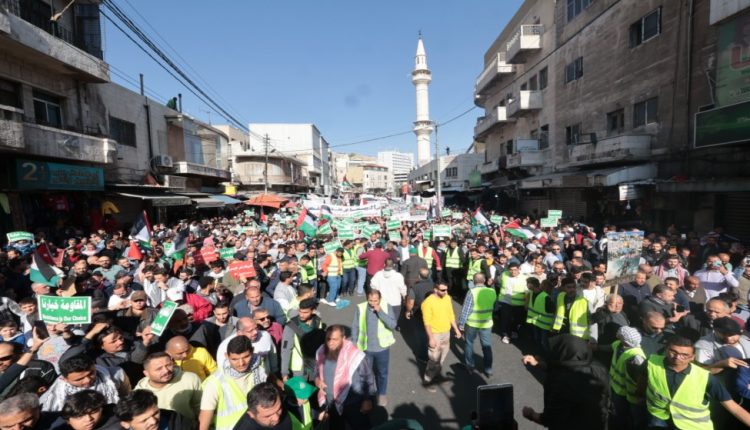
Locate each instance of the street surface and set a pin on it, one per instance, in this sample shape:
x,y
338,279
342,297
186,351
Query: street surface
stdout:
x,y
451,406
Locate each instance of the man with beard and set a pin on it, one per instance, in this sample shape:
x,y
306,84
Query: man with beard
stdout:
x,y
345,381
298,345
175,390
80,373
222,318
265,411
224,392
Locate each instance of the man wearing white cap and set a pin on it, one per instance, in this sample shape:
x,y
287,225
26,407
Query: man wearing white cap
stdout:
x,y
201,307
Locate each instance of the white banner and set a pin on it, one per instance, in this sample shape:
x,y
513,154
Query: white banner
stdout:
x,y
338,211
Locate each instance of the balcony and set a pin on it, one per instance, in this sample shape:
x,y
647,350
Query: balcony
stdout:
x,y
489,167
53,142
526,154
526,101
49,45
193,169
611,149
11,128
493,73
486,123
528,38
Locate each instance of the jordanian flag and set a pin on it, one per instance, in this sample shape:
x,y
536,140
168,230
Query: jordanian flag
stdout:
x,y
41,270
179,245
514,229
141,230
306,223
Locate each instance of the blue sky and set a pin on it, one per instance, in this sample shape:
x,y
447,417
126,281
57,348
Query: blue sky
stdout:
x,y
342,65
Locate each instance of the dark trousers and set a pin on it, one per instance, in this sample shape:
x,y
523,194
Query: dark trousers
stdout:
x,y
350,419
455,280
349,282
368,278
510,318
379,363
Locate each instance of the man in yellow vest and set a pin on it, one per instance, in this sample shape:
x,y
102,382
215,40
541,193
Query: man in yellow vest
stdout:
x,y
475,264
224,392
333,269
349,280
372,330
453,263
301,330
299,401
540,312
265,410
476,319
571,311
308,270
431,257
627,364
678,391
512,300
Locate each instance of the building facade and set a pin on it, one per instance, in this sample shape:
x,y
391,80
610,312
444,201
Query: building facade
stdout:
x,y
458,175
399,164
591,107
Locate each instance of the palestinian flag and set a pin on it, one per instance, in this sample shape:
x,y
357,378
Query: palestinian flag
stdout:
x,y
326,214
306,223
345,183
141,230
479,218
515,229
42,272
179,245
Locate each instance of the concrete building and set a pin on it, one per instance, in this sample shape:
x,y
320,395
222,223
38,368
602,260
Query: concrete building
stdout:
x,y
305,142
399,164
376,179
592,107
458,174
423,126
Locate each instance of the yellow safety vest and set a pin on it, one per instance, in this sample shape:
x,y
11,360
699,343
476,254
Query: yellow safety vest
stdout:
x,y
537,312
308,272
427,255
452,259
687,408
334,267
350,259
484,303
232,401
475,266
360,263
578,318
307,421
518,289
622,384
385,336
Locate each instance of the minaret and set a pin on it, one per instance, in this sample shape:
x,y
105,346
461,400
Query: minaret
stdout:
x,y
421,77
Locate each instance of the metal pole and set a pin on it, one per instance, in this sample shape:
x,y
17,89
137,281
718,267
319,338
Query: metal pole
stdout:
x,y
439,184
265,168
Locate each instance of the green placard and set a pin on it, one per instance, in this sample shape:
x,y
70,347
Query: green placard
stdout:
x,y
65,310
227,253
441,230
496,219
427,234
358,214
346,233
15,236
371,229
324,229
445,213
458,215
386,212
331,247
393,224
394,236
548,222
249,212
554,213
162,318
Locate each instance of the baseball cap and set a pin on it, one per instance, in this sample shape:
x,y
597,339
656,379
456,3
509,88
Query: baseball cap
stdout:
x,y
727,326
175,293
139,295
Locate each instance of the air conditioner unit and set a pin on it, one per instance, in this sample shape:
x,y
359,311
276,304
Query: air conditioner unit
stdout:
x,y
163,161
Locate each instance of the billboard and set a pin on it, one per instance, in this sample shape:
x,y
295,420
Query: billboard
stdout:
x,y
733,68
728,124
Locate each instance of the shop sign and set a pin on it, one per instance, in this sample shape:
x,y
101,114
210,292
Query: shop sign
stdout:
x,y
65,310
43,175
725,125
163,317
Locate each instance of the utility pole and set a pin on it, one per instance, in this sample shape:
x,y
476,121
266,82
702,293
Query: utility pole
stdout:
x,y
439,184
266,141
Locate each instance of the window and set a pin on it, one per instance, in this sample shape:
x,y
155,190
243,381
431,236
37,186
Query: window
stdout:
x,y
533,83
47,109
573,134
543,78
509,147
645,112
575,7
574,70
451,172
544,136
616,121
524,86
645,28
9,94
122,131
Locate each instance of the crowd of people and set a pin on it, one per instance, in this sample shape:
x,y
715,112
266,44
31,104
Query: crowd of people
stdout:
x,y
250,350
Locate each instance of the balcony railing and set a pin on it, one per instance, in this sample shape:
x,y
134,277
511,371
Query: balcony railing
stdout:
x,y
69,145
497,116
494,71
527,38
526,101
527,159
611,149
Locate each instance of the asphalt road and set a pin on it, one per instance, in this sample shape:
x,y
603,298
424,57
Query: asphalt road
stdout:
x,y
451,406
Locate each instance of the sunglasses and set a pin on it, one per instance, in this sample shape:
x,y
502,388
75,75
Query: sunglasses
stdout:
x,y
138,301
262,318
6,358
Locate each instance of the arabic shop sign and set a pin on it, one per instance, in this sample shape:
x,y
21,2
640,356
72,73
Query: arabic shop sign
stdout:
x,y
43,175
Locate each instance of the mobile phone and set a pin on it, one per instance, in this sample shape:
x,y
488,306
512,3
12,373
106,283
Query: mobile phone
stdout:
x,y
41,329
495,407
680,308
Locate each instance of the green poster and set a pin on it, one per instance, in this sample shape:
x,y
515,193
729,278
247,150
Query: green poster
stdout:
x,y
371,229
441,230
554,213
394,236
358,214
427,234
445,213
386,212
549,222
346,233
162,318
65,310
15,236
227,253
496,219
324,229
331,247
458,215
393,224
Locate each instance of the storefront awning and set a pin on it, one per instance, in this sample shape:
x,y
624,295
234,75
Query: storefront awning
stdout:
x,y
225,199
159,199
621,175
207,202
